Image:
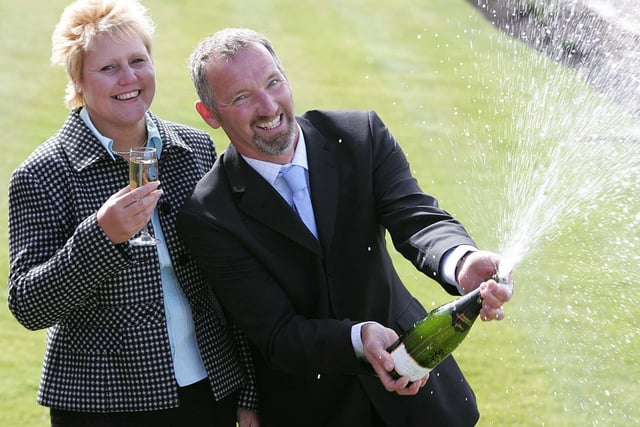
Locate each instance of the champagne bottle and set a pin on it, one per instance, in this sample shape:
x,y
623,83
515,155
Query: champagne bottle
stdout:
x,y
430,340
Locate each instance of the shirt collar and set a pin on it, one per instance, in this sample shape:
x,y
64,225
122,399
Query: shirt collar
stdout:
x,y
153,136
270,171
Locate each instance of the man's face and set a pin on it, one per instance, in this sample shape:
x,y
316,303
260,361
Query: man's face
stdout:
x,y
255,105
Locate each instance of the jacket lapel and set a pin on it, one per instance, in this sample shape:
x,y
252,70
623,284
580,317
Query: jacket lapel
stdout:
x,y
258,200
81,147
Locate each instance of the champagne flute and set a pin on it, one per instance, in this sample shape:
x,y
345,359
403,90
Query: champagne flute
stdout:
x,y
143,168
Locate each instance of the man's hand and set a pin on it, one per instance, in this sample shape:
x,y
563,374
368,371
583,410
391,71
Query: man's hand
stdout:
x,y
375,339
478,269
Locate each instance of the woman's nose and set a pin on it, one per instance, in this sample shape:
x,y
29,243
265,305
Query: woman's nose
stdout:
x,y
127,75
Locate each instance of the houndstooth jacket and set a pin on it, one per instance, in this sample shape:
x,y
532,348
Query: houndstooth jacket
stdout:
x,y
107,343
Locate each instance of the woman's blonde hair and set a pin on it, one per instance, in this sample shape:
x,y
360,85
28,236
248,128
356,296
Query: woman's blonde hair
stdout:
x,y
81,22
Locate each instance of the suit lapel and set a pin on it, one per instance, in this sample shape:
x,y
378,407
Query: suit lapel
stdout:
x,y
260,201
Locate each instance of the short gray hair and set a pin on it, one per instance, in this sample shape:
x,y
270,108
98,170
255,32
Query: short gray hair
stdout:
x,y
223,45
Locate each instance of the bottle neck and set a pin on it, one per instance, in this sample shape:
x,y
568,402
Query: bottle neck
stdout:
x,y
465,310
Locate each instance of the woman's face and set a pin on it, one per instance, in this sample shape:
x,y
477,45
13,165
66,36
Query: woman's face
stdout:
x,y
118,83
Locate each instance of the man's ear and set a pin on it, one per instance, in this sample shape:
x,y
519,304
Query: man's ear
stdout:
x,y
207,115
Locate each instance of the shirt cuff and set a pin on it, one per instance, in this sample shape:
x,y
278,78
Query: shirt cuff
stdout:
x,y
356,339
450,262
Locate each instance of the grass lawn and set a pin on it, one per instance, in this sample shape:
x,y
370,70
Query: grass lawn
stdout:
x,y
456,94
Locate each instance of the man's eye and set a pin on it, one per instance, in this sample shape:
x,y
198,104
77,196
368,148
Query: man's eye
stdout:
x,y
239,98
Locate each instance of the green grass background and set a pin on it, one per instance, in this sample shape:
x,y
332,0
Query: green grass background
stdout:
x,y
436,71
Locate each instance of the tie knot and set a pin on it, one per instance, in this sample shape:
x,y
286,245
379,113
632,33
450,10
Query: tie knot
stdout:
x,y
295,178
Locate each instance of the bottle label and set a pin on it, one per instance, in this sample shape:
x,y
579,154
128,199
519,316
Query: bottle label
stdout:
x,y
405,365
460,321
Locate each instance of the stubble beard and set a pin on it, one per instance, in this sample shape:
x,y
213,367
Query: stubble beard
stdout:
x,y
279,144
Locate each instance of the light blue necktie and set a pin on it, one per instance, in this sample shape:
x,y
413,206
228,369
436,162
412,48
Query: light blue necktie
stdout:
x,y
295,178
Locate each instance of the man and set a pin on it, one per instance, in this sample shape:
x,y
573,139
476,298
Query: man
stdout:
x,y
320,311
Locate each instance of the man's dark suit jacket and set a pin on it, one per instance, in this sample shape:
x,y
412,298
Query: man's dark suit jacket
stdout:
x,y
297,298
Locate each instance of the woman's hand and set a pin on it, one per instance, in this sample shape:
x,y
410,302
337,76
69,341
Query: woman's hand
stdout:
x,y
126,212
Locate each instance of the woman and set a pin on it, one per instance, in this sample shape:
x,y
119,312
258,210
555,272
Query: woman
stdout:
x,y
135,335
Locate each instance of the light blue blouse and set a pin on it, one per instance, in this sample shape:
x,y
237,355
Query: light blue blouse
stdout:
x,y
187,362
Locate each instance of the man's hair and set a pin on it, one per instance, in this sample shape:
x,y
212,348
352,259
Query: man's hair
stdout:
x,y
223,45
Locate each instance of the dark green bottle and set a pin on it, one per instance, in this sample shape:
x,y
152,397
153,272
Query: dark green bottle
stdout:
x,y
431,339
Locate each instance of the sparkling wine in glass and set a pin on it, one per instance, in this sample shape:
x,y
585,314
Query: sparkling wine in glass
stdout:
x,y
143,168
